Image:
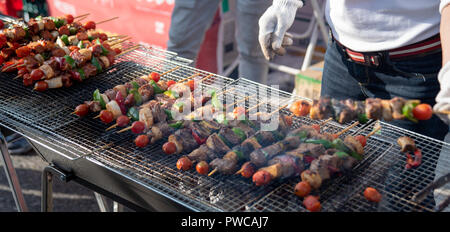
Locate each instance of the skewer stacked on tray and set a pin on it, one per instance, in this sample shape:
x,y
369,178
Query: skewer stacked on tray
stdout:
x,y
73,52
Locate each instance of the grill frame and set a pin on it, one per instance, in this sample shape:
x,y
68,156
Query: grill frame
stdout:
x,y
150,168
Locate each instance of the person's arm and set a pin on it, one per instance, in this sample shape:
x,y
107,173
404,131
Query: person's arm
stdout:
x,y
443,97
445,31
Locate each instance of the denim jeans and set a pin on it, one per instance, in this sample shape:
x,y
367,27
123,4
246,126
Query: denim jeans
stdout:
x,y
343,79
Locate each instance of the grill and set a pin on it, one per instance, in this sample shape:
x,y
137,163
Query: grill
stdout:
x,y
46,118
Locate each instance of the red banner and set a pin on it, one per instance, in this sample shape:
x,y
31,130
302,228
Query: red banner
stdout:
x,y
146,21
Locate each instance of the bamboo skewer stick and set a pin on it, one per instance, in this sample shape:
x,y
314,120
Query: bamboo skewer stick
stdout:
x,y
347,129
116,38
442,112
129,50
325,122
107,20
167,72
376,128
124,129
83,15
189,77
119,42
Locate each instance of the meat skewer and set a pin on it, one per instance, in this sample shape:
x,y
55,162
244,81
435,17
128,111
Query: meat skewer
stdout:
x,y
218,144
344,111
287,164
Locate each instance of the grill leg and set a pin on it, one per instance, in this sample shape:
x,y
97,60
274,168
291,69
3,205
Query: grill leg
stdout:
x,y
11,175
47,191
101,201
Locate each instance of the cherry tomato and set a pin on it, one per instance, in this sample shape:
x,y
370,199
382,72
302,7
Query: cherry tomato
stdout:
x,y
302,189
202,168
103,37
117,50
3,40
248,169
27,81
82,110
23,51
422,111
137,127
191,84
238,111
155,76
300,108
372,194
22,72
41,86
261,177
362,139
69,18
122,121
106,116
106,45
73,48
316,127
170,82
184,163
89,25
37,74
141,140
312,203
169,148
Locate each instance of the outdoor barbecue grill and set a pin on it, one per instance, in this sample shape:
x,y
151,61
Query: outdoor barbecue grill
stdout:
x,y
80,149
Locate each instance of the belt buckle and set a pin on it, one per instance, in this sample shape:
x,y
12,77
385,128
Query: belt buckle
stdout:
x,y
373,59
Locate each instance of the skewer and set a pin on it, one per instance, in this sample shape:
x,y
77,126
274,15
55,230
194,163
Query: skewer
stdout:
x,y
119,42
212,172
376,128
442,112
111,39
107,20
129,50
347,129
189,77
124,129
83,15
325,122
98,116
167,72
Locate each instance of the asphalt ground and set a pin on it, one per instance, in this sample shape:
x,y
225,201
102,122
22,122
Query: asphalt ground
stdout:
x,y
67,197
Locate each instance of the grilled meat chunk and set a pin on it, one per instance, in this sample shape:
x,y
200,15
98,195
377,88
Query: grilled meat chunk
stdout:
x,y
111,94
354,144
94,106
215,143
387,110
184,136
325,165
202,153
374,109
260,156
397,104
309,149
406,144
322,109
290,165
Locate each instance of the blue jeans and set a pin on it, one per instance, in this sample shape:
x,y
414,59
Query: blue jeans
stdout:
x,y
345,79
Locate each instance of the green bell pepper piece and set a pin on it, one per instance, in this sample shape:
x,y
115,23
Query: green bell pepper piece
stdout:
x,y
238,131
90,38
73,30
341,154
176,125
225,140
172,94
239,154
408,108
97,64
137,96
65,39
169,114
133,113
70,61
362,118
156,88
135,85
327,144
97,97
104,50
58,22
339,145
222,119
80,44
215,102
82,74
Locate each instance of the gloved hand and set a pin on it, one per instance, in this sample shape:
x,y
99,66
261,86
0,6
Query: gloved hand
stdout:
x,y
443,97
273,25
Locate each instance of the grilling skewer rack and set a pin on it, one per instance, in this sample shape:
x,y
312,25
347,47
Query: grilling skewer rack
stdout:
x,y
80,149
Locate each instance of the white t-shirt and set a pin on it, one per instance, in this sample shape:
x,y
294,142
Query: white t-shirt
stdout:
x,y
376,25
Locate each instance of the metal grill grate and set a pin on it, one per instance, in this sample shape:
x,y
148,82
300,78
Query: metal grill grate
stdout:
x,y
45,118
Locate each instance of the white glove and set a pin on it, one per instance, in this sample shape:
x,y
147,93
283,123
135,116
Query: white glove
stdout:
x,y
443,97
273,25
